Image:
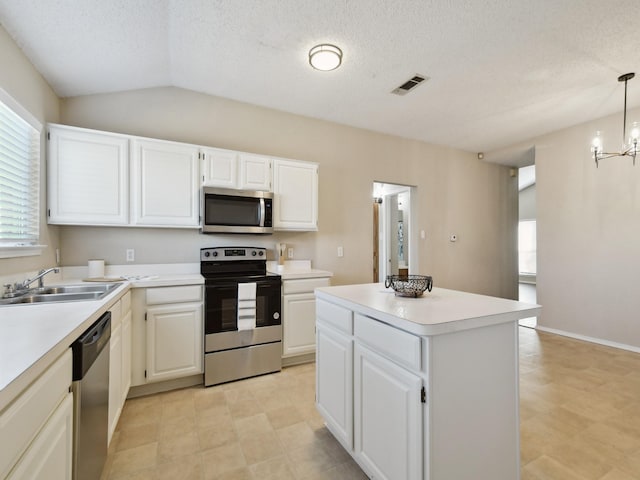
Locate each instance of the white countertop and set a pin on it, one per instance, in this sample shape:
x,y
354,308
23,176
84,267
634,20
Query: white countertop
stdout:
x,y
437,312
296,270
32,336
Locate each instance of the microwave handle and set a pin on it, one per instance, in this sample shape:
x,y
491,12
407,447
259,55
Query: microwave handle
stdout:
x,y
262,212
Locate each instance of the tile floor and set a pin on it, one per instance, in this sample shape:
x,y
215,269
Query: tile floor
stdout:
x,y
580,419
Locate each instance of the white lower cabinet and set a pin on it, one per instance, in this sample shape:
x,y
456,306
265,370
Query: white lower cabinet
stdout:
x,y
371,404
119,359
36,429
115,379
126,355
167,333
174,341
49,456
299,315
334,382
388,420
432,407
299,334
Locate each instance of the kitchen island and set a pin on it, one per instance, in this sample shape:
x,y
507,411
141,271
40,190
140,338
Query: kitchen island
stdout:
x,y
421,388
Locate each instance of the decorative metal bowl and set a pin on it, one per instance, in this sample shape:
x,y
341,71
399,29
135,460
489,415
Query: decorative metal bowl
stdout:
x,y
409,285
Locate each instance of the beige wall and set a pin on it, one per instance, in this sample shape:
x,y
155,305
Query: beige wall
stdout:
x,y
456,192
23,82
588,226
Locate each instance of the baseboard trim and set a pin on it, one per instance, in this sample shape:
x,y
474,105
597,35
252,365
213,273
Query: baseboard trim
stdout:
x,y
585,338
158,387
298,359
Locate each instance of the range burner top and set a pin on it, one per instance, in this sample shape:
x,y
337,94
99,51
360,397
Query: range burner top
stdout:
x,y
218,262
233,254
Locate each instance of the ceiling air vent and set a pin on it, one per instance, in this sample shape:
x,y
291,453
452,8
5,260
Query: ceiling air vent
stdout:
x,y
409,85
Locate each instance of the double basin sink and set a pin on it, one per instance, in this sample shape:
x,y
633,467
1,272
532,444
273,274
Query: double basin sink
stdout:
x,y
62,293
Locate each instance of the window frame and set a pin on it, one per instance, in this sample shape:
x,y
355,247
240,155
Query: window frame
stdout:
x,y
9,250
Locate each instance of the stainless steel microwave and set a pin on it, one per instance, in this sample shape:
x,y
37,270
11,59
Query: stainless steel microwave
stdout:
x,y
236,211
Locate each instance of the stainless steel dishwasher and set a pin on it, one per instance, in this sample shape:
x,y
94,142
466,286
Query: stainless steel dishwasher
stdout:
x,y
91,399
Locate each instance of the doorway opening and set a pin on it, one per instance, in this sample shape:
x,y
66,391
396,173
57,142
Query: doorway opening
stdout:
x,y
527,248
394,241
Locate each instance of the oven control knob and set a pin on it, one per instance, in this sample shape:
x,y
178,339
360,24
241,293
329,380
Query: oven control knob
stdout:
x,y
254,253
276,316
215,254
206,254
261,253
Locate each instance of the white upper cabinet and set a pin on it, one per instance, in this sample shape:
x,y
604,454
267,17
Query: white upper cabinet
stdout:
x,y
165,184
255,172
220,168
295,188
102,178
237,170
88,177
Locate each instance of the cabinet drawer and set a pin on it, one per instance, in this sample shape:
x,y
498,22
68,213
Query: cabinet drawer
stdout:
x,y
303,285
401,347
335,316
188,293
20,423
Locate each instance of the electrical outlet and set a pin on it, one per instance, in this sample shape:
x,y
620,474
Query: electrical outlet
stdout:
x,y
340,252
131,255
290,253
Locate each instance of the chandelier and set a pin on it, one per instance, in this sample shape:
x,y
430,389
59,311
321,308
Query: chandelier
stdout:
x,y
630,147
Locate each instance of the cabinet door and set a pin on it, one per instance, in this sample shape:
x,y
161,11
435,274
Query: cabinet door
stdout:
x,y
255,172
298,324
88,177
115,380
126,356
295,188
387,417
49,457
138,336
165,184
334,383
220,168
174,341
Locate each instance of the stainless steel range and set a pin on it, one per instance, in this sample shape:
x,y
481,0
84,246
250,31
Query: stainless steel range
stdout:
x,y
242,325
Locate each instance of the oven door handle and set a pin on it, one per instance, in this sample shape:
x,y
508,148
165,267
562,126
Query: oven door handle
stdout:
x,y
262,212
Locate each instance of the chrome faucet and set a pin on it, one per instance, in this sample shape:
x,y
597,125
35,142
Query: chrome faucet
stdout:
x,y
24,285
18,288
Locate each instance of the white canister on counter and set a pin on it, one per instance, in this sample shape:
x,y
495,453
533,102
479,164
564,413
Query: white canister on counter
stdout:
x,y
96,269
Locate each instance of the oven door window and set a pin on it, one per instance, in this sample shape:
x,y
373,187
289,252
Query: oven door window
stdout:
x,y
268,304
221,303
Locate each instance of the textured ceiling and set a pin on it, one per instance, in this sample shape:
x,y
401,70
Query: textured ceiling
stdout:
x,y
501,71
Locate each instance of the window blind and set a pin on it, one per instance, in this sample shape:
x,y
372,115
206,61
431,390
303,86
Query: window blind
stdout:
x,y
19,180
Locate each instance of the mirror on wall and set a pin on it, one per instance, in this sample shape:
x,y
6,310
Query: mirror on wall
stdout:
x,y
392,213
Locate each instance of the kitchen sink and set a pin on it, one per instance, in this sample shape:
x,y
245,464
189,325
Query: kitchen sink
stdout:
x,y
62,293
84,288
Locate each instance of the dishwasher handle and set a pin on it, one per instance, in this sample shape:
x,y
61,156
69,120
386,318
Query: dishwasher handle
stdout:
x,y
89,345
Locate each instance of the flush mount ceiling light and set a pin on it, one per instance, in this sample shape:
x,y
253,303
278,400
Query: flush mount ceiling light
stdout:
x,y
325,57
630,147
